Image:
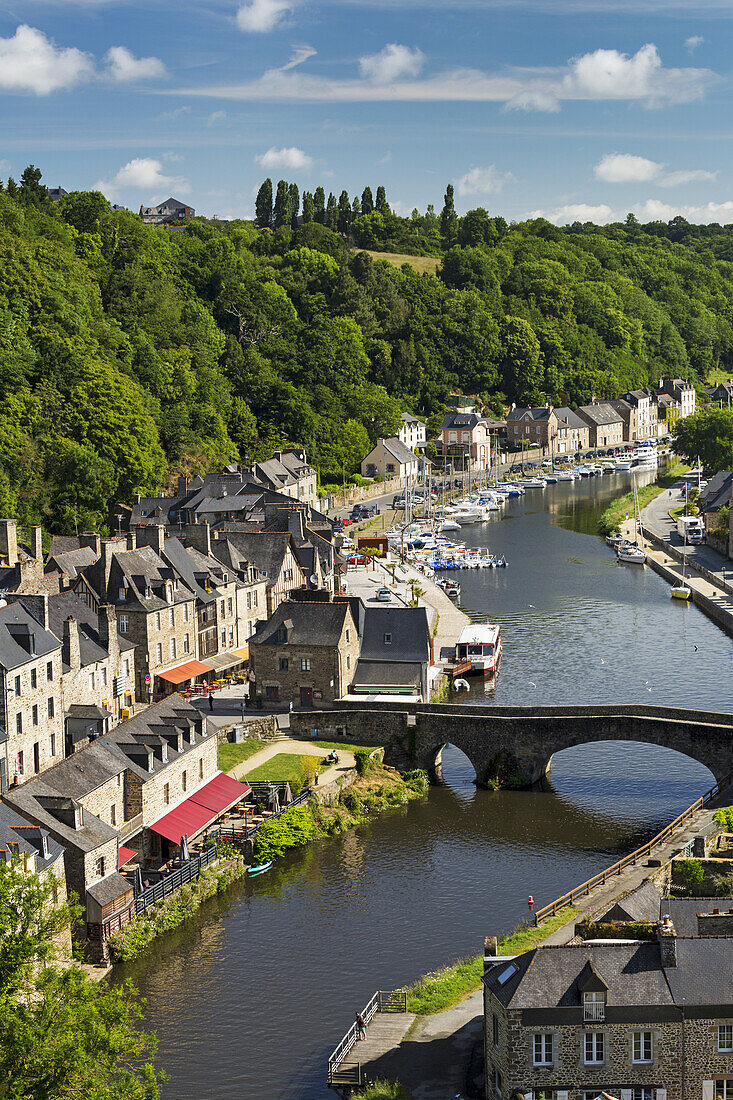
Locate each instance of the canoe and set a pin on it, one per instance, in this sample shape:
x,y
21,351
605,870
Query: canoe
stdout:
x,y
260,868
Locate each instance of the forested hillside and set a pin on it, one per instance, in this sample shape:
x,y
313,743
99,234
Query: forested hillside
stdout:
x,y
129,352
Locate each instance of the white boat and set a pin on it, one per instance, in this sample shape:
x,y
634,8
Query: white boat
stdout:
x,y
480,643
565,475
624,464
466,514
632,554
534,483
448,525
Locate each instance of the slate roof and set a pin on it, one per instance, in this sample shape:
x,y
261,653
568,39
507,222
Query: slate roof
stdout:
x,y
408,418
91,650
601,414
140,568
72,561
397,449
683,911
717,492
194,569
541,412
408,627
388,674
548,977
703,975
568,417
61,544
110,888
314,624
17,626
640,905
266,550
15,829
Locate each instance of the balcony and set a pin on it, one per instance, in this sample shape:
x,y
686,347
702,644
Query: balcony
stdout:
x,y
593,1011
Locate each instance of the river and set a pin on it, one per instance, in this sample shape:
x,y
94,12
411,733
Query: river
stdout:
x,y
249,998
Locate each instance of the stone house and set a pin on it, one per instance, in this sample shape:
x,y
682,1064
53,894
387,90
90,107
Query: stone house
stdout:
x,y
646,412
395,654
305,653
538,426
605,425
468,434
31,710
155,610
390,458
21,567
630,415
572,432
39,853
412,432
288,472
166,213
683,392
638,1020
271,553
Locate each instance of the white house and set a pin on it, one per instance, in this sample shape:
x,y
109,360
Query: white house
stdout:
x,y
390,458
412,432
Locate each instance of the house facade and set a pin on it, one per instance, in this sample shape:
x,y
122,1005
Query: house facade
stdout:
x,y
390,458
412,432
646,412
605,425
537,426
683,392
166,213
573,434
466,435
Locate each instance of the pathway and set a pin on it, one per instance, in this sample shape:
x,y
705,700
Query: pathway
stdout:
x,y
298,748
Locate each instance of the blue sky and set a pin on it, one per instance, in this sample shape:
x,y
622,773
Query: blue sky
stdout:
x,y
572,108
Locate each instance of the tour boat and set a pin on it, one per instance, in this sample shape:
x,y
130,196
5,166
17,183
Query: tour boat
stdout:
x,y
452,589
480,644
624,464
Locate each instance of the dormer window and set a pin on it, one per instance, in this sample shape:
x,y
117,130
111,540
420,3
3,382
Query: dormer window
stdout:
x,y
594,1005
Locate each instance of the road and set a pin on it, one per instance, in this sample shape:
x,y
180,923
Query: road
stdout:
x,y
656,519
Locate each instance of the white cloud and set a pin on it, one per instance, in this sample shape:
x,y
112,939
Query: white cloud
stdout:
x,y
654,210
576,212
692,175
300,54
168,116
143,173
259,16
392,63
602,75
482,181
385,159
694,41
292,158
30,62
124,66
215,116
625,168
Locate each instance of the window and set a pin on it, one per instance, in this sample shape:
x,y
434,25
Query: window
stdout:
x,y
388,639
642,1046
254,599
594,1006
36,758
305,664
173,647
201,767
348,661
452,437
51,707
223,608
17,685
157,620
103,674
49,671
543,1049
593,1047
100,867
230,605
166,793
34,678
641,1094
21,764
543,1094
272,693
185,612
348,634
91,681
223,636
288,575
183,780
127,666
249,601
186,643
725,1037
113,814
724,1089
230,635
34,715
52,745
495,1028
124,623
159,653
497,1082
282,664
19,723
171,616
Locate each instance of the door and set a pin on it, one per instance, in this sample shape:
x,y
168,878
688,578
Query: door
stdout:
x,y
306,697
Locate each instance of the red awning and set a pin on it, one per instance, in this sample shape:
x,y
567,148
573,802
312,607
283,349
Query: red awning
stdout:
x,y
124,855
186,671
198,811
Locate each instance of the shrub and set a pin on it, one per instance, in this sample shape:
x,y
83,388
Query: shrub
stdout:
x,y
363,760
690,871
724,818
382,1090
417,780
293,828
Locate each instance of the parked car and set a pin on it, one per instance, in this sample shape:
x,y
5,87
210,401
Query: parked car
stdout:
x,y
356,559
383,595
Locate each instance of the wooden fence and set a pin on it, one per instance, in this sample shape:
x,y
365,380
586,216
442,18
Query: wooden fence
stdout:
x,y
630,860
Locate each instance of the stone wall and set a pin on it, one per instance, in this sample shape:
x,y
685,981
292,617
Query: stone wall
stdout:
x,y
262,729
330,673
107,802
37,727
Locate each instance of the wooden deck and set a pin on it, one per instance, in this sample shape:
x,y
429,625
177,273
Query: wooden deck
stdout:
x,y
385,1031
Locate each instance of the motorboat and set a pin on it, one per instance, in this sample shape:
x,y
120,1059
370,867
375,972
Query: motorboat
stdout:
x,y
480,644
624,464
461,685
449,525
466,513
534,483
452,589
564,475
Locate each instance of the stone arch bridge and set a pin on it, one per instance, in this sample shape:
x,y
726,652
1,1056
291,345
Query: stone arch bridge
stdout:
x,y
516,744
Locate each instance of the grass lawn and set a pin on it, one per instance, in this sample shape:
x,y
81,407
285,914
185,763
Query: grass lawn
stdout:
x,y
615,514
444,988
328,745
285,767
422,264
230,754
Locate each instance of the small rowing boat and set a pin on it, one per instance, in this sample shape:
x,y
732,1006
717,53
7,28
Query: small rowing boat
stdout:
x,y
260,868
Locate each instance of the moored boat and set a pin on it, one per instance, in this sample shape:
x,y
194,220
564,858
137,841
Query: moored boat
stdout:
x,y
480,644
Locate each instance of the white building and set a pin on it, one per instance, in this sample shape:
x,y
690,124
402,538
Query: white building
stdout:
x,y
412,432
390,458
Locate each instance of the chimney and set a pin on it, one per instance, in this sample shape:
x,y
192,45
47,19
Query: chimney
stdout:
x,y
37,543
108,549
70,653
153,535
92,540
131,540
198,535
8,542
107,630
182,486
491,946
667,938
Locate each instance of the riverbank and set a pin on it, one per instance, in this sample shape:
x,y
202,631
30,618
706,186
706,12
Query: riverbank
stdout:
x,y
611,519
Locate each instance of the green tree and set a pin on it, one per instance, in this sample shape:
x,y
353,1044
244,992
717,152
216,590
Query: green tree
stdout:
x,y
263,205
282,210
309,209
448,219
367,202
294,195
32,192
707,435
381,205
521,361
344,213
332,212
319,205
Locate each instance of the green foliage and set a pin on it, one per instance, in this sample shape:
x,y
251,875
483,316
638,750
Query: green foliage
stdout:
x,y
707,435
617,929
230,754
62,1034
293,828
382,1090
690,872
614,515
417,780
724,817
364,761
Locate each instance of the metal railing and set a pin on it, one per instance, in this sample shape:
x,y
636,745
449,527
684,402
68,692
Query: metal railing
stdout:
x,y
341,1072
232,835
630,860
175,880
594,1011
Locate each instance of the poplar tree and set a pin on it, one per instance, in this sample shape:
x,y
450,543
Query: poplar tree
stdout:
x,y
448,219
344,215
319,205
294,204
308,208
355,209
382,206
331,212
367,202
281,215
263,205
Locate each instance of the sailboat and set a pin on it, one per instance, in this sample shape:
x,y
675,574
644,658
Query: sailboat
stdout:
x,y
633,554
682,591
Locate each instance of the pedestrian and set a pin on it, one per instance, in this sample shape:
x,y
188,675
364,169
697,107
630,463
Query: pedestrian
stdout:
x,y
211,701
360,1026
